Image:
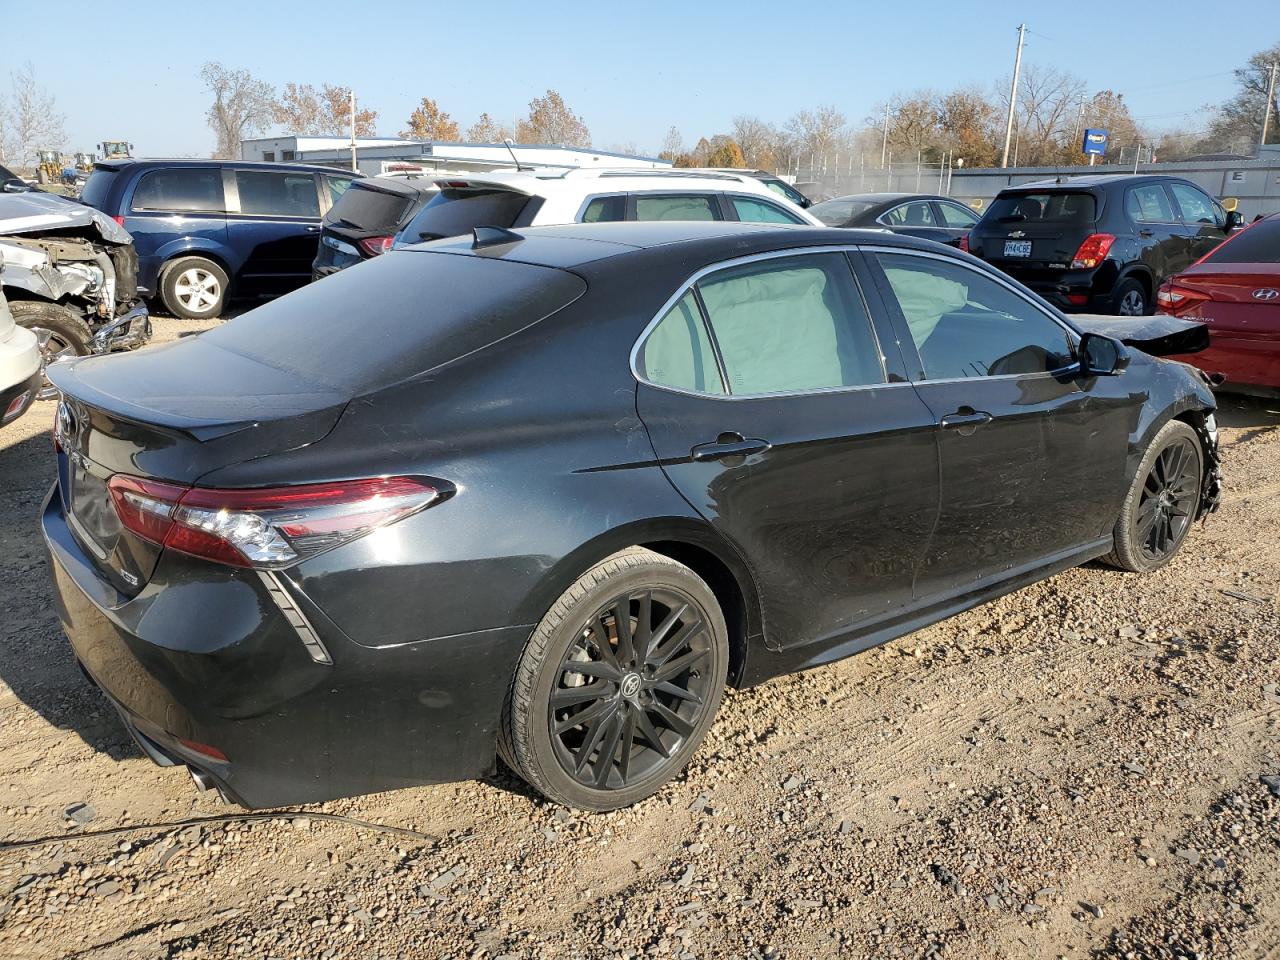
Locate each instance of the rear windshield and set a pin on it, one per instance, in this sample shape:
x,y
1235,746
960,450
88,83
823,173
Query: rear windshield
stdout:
x,y
1259,243
836,213
452,213
1060,206
400,314
364,209
96,188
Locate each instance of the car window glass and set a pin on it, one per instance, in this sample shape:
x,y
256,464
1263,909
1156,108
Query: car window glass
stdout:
x,y
965,324
761,211
453,212
678,352
337,187
270,194
791,324
916,214
785,191
694,207
605,210
183,190
1196,207
836,213
1055,207
1149,204
954,215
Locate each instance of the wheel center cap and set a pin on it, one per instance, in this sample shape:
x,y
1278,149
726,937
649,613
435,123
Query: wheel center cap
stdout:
x,y
630,686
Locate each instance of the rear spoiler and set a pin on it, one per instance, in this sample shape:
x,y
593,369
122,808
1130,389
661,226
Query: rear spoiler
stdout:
x,y
1158,336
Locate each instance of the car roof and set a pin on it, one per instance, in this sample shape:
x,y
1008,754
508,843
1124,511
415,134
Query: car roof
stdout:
x,y
888,197
543,182
1071,182
572,245
118,165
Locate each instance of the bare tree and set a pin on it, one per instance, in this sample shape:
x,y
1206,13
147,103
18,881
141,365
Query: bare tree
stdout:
x,y
31,118
1239,120
756,140
1048,107
325,112
672,145
241,105
489,130
551,121
817,132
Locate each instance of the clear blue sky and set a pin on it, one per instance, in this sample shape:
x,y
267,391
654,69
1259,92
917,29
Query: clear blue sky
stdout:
x,y
130,70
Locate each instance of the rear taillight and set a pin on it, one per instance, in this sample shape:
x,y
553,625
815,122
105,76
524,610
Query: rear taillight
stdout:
x,y
272,527
1093,251
1174,298
964,242
119,220
376,245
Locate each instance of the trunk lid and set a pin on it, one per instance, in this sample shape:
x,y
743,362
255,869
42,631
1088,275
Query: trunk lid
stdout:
x,y
1047,226
1244,298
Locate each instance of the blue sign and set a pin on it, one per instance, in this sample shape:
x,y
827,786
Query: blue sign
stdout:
x,y
1095,142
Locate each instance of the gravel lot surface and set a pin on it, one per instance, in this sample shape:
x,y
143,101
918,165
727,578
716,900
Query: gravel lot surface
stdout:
x,y
1088,767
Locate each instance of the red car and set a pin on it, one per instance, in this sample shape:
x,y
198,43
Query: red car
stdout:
x,y
1235,291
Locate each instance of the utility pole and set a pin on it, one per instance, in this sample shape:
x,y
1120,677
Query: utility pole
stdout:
x,y
884,140
1013,94
354,168
1271,96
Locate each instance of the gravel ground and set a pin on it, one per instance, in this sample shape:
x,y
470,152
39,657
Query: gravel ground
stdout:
x,y
1088,767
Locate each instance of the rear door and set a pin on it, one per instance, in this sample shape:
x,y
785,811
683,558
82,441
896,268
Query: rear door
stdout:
x,y
1162,243
1204,220
673,206
273,220
1032,464
765,395
917,218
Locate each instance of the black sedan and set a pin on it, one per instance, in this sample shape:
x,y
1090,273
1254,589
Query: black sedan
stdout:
x,y
556,489
911,214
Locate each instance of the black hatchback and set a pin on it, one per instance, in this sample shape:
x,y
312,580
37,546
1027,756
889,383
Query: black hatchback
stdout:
x,y
561,486
1100,244
363,221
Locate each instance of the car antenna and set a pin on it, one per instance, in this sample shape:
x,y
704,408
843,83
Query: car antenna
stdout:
x,y
492,237
509,144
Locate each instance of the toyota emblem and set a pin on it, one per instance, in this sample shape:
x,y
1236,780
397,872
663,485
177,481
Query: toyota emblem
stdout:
x,y
65,421
1266,293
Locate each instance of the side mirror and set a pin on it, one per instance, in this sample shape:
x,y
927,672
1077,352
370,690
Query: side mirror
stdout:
x,y
16,186
1101,356
1230,204
1235,220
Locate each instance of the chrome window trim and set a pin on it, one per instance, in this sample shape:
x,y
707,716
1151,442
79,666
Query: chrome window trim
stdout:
x,y
906,203
692,281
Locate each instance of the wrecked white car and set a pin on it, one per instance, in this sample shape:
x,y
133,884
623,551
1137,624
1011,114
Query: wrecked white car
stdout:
x,y
70,276
20,366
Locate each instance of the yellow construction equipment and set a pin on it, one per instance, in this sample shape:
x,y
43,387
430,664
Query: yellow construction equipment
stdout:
x,y
115,150
49,170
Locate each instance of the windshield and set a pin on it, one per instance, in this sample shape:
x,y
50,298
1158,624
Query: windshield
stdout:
x,y
836,213
1259,243
453,212
365,209
1051,207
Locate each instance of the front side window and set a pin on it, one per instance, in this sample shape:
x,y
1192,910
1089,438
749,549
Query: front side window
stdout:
x,y
269,194
965,324
955,215
670,207
1149,204
1196,206
181,190
761,211
605,210
791,324
916,214
678,352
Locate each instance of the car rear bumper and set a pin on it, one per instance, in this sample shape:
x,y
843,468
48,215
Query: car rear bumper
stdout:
x,y
207,671
17,399
1079,291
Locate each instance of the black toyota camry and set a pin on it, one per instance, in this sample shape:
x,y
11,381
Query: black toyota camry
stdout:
x,y
556,489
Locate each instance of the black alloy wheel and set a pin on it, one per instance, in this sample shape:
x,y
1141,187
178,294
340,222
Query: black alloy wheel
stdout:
x,y
1168,502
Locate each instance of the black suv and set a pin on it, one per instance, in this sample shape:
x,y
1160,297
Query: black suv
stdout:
x,y
1100,244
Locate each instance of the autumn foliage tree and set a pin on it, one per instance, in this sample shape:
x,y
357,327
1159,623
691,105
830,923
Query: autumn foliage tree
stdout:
x,y
304,110
488,130
429,122
551,121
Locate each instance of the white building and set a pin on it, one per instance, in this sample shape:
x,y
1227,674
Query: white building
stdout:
x,y
375,156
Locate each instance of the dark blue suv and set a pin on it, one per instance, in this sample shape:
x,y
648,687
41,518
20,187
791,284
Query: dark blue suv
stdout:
x,y
207,230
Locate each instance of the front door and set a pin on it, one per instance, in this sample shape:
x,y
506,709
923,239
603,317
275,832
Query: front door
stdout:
x,y
1032,463
1206,223
273,219
768,402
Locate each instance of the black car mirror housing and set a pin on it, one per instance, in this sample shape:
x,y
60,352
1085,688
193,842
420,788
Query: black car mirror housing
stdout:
x,y
1101,356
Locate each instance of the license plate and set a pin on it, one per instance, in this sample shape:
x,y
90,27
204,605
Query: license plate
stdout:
x,y
1017,248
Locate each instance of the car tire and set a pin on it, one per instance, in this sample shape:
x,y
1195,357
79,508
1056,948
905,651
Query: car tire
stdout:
x,y
194,288
644,723
1162,501
60,331
1131,299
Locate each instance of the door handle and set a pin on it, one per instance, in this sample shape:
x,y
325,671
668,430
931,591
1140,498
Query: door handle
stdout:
x,y
313,229
729,445
965,420
1146,233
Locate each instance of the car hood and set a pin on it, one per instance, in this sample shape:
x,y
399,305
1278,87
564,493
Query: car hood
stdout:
x,y
1159,336
35,213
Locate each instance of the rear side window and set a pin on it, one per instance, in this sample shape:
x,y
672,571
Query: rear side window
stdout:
x,y
97,187
678,352
1259,243
669,207
1055,207
270,194
919,213
836,213
453,212
605,210
791,324
365,209
1149,204
761,211
181,190
786,192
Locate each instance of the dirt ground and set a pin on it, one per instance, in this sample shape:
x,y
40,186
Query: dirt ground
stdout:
x,y
1083,768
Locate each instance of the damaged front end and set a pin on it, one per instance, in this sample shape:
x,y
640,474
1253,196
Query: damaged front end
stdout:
x,y
61,252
